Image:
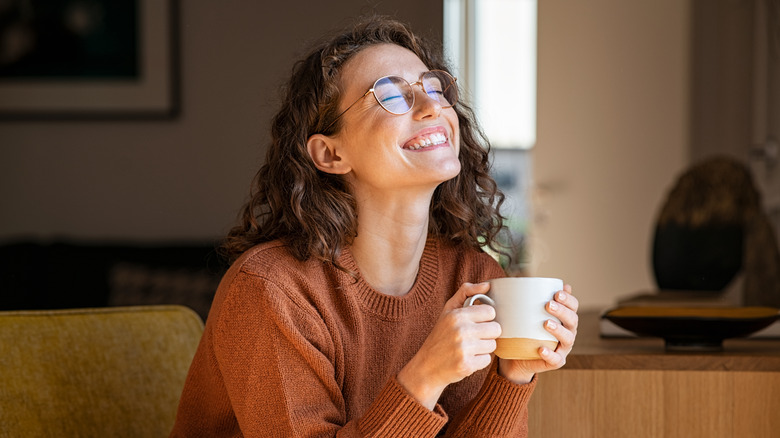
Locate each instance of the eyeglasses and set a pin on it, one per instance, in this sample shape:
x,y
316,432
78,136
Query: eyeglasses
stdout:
x,y
396,95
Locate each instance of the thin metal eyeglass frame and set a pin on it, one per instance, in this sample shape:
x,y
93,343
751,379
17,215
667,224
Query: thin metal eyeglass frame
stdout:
x,y
411,85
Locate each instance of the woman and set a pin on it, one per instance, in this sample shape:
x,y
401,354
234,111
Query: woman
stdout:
x,y
342,314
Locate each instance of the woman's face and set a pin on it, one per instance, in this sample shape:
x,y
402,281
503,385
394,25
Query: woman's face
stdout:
x,y
382,149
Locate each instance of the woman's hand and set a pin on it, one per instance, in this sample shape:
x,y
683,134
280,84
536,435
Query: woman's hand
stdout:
x,y
564,307
460,343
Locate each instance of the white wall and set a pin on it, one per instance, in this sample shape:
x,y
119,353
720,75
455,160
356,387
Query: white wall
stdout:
x,y
612,136
186,178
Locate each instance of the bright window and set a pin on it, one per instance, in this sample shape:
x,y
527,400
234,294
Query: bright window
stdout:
x,y
492,46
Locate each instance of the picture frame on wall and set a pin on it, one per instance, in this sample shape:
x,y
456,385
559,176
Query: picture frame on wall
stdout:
x,y
88,59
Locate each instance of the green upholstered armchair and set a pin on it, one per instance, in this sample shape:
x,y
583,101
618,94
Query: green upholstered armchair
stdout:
x,y
103,372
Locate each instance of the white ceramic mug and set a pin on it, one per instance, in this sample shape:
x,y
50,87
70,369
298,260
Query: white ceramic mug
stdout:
x,y
520,309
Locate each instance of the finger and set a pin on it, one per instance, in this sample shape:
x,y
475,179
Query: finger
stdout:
x,y
484,346
568,317
567,299
553,359
482,361
477,313
564,335
470,289
464,292
488,330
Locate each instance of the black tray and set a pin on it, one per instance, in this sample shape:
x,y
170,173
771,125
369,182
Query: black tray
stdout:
x,y
691,328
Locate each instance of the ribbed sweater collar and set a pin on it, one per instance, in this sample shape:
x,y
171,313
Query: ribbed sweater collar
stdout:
x,y
391,307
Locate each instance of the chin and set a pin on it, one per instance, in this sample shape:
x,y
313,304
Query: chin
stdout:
x,y
450,170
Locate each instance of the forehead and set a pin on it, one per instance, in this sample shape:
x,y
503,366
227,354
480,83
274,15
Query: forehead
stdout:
x,y
377,61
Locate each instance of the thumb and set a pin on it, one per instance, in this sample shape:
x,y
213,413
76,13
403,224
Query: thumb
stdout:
x,y
465,291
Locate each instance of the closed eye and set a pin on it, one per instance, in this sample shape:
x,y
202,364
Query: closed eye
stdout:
x,y
390,99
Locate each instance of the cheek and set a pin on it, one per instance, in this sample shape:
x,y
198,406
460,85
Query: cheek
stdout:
x,y
455,131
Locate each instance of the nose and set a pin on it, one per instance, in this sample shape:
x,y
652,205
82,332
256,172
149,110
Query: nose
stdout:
x,y
425,106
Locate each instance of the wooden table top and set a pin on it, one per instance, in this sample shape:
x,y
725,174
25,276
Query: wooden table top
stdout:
x,y
593,352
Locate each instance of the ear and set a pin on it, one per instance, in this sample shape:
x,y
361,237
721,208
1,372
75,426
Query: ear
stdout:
x,y
324,152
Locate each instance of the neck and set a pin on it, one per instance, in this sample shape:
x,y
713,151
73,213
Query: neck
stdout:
x,y
390,242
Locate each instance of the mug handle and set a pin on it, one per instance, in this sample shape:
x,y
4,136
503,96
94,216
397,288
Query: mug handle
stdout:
x,y
482,297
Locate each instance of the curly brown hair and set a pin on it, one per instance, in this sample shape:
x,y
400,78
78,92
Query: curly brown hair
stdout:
x,y
312,211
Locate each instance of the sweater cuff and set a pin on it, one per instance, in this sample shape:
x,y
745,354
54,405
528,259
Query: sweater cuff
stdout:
x,y
501,406
396,413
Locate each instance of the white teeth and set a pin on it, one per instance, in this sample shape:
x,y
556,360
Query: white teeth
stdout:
x,y
433,139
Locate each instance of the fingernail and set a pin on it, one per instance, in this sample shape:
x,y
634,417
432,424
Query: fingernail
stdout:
x,y
553,305
561,296
551,325
545,352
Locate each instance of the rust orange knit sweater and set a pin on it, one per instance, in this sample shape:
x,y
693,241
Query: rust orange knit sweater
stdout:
x,y
301,349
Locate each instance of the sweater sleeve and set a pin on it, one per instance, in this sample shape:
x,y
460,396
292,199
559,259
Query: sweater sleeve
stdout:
x,y
500,409
278,364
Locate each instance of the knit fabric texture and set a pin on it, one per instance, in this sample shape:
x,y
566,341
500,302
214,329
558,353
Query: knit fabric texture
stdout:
x,y
302,349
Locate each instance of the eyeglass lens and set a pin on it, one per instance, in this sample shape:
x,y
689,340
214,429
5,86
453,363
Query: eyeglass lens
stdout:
x,y
396,95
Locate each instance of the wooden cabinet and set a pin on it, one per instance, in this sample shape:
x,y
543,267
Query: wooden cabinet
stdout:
x,y
634,388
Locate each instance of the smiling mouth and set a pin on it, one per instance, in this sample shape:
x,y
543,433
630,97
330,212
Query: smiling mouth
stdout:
x,y
425,141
